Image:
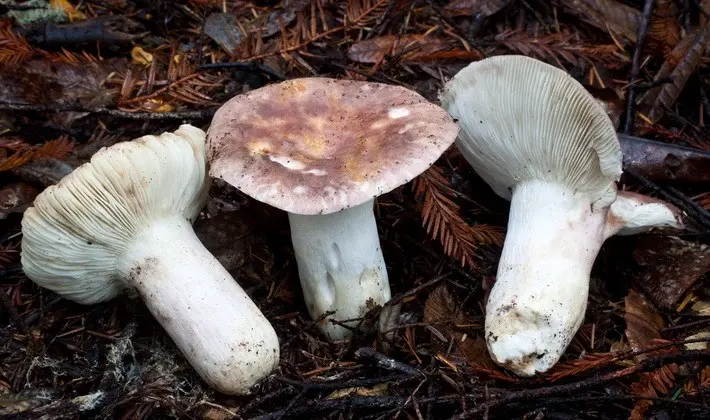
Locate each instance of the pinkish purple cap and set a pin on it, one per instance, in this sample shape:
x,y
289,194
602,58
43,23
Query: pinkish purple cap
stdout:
x,y
320,145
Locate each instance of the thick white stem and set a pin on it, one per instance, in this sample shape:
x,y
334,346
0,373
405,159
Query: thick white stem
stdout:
x,y
540,294
340,265
213,322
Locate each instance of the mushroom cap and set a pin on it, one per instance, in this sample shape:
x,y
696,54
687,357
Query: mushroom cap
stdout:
x,y
634,213
319,145
523,119
78,230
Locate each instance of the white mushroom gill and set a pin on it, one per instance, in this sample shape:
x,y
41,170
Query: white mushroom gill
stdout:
x,y
124,221
539,139
341,266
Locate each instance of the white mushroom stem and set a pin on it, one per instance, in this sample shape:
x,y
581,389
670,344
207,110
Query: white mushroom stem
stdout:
x,y
208,315
540,296
340,264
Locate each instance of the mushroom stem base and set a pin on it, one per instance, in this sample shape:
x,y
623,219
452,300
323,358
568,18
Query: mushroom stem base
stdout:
x,y
341,266
213,322
540,294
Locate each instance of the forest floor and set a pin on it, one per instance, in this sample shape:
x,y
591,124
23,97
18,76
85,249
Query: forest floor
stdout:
x,y
78,76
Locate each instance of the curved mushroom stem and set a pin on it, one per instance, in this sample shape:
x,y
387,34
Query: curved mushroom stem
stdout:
x,y
213,322
340,265
538,301
540,295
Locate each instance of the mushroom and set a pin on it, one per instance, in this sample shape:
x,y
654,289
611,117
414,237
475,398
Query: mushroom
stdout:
x,y
123,222
322,150
538,139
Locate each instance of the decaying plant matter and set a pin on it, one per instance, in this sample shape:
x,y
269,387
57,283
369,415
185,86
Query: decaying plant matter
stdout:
x,y
78,76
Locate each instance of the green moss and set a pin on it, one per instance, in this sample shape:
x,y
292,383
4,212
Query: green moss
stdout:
x,y
41,12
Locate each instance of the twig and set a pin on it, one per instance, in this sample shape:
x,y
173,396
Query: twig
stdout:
x,y
177,115
321,406
103,30
383,21
613,398
654,83
368,354
531,394
33,317
692,324
307,327
354,383
248,66
10,271
7,305
397,298
636,64
449,22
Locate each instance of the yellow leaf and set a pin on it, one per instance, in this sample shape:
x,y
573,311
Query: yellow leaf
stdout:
x,y
377,390
140,56
69,10
699,345
159,105
701,308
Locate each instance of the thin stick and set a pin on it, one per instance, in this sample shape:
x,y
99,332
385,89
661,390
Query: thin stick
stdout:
x,y
636,64
248,66
178,115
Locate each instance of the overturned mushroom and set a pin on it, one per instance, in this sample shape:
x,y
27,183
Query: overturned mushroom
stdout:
x,y
541,141
123,221
323,149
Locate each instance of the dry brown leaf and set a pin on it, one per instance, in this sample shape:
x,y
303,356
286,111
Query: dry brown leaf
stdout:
x,y
701,308
440,309
224,29
483,8
652,384
441,219
670,266
480,362
42,81
7,254
184,85
14,49
277,18
702,382
680,64
663,29
443,314
606,15
576,366
310,27
361,13
15,198
44,172
559,47
373,391
53,149
623,20
15,160
411,48
643,322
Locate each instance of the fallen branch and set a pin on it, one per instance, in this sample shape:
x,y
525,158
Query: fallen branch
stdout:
x,y
177,115
636,64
